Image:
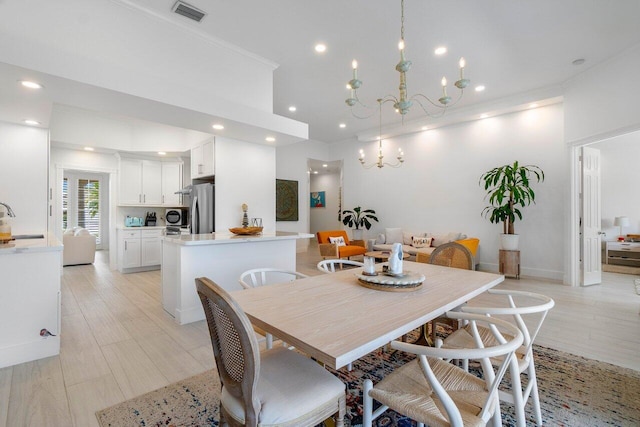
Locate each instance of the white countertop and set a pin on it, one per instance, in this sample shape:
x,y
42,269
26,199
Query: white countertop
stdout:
x,y
48,243
227,238
144,227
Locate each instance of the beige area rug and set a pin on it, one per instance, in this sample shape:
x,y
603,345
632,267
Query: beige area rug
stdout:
x,y
574,391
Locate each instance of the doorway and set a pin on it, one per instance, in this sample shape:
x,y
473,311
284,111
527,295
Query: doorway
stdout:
x,y
325,188
85,201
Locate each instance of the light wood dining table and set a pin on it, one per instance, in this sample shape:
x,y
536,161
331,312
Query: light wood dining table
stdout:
x,y
336,320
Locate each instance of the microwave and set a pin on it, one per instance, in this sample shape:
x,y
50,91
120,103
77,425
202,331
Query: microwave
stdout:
x,y
177,216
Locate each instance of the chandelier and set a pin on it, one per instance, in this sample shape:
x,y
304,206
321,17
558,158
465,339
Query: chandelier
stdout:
x,y
403,102
381,163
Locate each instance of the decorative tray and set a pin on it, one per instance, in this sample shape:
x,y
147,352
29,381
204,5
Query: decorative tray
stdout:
x,y
246,230
407,282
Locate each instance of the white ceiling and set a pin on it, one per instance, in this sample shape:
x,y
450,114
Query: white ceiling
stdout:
x,y
511,47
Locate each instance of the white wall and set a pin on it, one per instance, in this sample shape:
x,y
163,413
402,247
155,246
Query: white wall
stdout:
x,y
244,173
291,163
620,177
326,218
24,159
436,190
602,99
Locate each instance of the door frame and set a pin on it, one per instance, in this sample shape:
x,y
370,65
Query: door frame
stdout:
x,y
572,271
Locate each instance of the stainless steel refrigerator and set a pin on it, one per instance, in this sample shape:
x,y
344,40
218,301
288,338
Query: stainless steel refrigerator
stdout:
x,y
202,208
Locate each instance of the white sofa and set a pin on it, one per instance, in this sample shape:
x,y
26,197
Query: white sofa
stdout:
x,y
79,247
385,240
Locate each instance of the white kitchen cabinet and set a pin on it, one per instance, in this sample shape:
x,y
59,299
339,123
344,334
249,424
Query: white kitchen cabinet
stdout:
x,y
171,182
139,249
149,182
202,160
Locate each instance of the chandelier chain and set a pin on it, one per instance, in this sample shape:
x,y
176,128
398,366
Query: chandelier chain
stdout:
x,y
402,20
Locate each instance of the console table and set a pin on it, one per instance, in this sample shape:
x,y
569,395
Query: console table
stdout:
x,y
623,253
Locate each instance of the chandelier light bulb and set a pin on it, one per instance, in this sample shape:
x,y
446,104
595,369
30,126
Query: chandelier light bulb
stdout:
x,y
354,64
443,82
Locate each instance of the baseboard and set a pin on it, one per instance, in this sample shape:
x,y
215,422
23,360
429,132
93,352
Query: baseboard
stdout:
x,y
190,315
29,351
536,273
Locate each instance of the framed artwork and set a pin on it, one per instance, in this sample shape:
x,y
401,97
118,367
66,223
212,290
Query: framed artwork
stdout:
x,y
286,200
318,199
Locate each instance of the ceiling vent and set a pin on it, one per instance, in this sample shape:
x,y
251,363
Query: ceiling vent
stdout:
x,y
188,11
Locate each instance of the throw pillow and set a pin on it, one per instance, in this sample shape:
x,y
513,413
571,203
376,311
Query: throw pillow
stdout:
x,y
408,236
393,235
338,241
380,239
421,242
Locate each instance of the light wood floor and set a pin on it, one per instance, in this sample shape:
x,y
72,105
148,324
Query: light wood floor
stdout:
x,y
118,343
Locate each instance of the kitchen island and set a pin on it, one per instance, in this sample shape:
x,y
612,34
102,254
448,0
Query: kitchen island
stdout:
x,y
30,299
222,257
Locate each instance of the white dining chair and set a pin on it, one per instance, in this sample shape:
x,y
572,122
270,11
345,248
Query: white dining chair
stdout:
x,y
517,306
266,276
330,265
434,392
275,387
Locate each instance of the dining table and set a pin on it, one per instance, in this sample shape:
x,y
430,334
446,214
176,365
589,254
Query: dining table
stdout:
x,y
335,319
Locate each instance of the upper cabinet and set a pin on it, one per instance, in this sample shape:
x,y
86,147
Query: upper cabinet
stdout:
x,y
202,160
171,182
149,182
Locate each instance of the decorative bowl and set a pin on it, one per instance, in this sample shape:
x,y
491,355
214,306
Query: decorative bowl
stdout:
x,y
246,230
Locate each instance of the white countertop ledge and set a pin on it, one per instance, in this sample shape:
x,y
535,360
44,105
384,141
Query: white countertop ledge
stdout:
x,y
48,244
221,238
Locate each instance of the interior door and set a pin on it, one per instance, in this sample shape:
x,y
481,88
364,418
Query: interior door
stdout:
x,y
591,218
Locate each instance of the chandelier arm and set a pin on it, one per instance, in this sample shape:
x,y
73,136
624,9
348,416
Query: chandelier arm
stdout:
x,y
431,114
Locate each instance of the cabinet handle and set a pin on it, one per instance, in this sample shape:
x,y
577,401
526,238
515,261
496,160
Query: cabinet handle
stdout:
x,y
125,245
139,198
200,169
163,199
144,198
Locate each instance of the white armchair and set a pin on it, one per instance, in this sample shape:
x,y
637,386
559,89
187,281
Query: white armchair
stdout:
x,y
79,247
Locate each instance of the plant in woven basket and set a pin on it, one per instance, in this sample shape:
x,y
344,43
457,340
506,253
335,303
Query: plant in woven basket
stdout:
x,y
359,218
508,188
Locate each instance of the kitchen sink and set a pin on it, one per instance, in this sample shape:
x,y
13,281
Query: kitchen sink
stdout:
x,y
28,236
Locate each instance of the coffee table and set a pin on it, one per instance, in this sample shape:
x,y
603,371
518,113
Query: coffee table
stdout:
x,y
382,256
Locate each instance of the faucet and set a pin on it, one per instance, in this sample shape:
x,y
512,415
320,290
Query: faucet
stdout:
x,y
9,210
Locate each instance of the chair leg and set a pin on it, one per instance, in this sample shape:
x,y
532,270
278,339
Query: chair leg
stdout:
x,y
534,392
516,389
342,411
269,343
367,404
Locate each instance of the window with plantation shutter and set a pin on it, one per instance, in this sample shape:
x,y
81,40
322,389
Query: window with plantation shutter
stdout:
x,y
89,206
65,204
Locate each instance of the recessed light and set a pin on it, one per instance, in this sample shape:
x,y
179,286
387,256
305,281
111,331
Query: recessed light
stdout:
x,y
425,128
534,105
315,172
480,88
88,148
31,122
270,139
162,153
441,50
292,108
325,165
484,116
217,126
321,47
30,84
578,61
342,125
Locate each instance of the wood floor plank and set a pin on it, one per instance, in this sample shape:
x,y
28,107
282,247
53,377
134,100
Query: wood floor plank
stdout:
x,y
5,390
106,328
38,396
174,362
204,355
189,336
69,306
133,370
90,396
80,355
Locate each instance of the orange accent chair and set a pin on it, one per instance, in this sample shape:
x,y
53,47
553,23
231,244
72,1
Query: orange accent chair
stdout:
x,y
332,250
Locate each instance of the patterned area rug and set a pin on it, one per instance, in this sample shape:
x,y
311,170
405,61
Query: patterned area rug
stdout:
x,y
574,391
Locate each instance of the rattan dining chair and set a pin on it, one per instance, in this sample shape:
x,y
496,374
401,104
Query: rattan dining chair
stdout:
x,y
452,255
329,265
277,387
432,391
265,276
517,306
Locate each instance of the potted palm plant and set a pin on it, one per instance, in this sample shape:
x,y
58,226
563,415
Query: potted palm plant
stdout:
x,y
509,189
359,219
